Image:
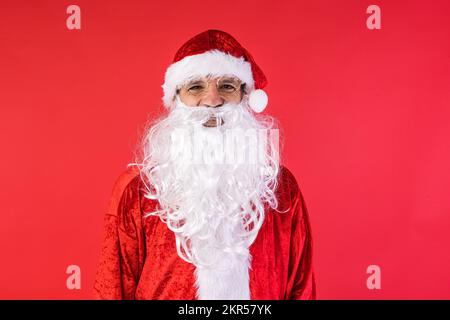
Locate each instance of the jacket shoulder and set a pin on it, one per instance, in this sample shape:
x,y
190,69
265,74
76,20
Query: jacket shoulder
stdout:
x,y
287,182
121,184
288,191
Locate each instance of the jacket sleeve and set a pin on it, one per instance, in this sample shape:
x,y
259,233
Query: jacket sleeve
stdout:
x,y
301,279
122,253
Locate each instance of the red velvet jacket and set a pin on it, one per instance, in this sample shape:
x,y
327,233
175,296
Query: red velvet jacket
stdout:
x,y
139,258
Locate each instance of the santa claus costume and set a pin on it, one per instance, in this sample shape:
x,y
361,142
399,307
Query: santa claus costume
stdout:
x,y
175,230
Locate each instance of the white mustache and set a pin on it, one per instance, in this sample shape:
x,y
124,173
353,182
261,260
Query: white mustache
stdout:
x,y
201,114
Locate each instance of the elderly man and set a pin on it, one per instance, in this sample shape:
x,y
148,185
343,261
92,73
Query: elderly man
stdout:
x,y
207,211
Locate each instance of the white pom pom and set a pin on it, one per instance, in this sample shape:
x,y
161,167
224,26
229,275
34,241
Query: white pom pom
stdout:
x,y
258,100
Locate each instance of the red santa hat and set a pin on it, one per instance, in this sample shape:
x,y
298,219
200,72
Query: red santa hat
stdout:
x,y
217,53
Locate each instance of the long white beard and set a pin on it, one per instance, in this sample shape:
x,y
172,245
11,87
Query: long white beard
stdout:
x,y
214,206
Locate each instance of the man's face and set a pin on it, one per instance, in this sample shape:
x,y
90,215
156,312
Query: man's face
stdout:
x,y
212,92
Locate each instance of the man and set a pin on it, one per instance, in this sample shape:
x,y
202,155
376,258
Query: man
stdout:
x,y
208,212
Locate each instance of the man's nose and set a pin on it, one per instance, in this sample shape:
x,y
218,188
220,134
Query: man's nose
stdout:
x,y
212,98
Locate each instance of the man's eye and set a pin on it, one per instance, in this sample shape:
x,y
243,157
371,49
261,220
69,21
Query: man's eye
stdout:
x,y
228,87
195,88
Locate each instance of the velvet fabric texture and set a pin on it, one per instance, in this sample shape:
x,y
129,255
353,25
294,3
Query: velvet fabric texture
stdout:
x,y
139,258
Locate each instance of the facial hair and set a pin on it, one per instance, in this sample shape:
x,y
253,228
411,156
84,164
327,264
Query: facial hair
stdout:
x,y
215,208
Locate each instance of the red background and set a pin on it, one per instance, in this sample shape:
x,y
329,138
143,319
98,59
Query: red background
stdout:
x,y
365,113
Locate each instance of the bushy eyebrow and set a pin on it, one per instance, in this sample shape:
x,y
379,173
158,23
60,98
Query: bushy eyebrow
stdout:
x,y
228,79
192,82
201,80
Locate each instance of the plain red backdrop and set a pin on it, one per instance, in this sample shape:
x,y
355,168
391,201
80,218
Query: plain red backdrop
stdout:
x,y
366,117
